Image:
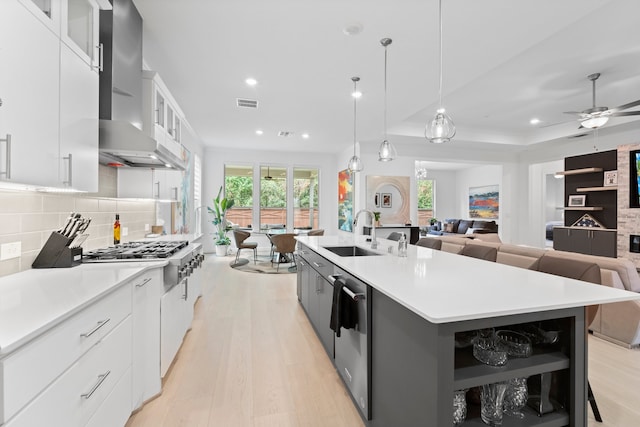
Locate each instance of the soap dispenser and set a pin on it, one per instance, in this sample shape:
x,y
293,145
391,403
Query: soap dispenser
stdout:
x,y
402,246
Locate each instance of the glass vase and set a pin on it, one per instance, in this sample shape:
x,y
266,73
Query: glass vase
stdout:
x,y
491,403
459,407
515,397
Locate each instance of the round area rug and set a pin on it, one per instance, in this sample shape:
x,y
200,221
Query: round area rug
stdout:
x,y
263,265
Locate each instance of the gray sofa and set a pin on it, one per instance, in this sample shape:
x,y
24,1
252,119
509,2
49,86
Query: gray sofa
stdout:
x,y
457,227
617,322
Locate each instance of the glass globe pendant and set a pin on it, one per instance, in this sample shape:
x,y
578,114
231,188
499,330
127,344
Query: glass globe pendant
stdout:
x,y
354,165
441,128
387,151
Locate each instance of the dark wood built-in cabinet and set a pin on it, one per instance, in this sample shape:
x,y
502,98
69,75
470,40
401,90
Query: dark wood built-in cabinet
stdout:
x,y
584,175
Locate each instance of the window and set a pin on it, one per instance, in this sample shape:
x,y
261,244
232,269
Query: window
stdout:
x,y
273,196
305,198
238,185
426,205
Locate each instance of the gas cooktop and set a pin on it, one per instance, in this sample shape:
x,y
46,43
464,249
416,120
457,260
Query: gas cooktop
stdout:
x,y
135,251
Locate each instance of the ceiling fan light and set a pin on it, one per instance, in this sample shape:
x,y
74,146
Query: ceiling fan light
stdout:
x,y
355,165
440,129
387,152
594,122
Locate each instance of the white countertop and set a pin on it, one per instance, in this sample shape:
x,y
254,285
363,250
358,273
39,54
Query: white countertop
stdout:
x,y
174,237
443,287
35,300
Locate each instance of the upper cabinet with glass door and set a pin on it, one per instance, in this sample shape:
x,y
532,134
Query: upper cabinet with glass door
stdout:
x,y
80,28
162,117
47,11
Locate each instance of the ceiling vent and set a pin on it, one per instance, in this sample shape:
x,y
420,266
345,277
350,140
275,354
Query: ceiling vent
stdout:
x,y
580,135
285,133
247,103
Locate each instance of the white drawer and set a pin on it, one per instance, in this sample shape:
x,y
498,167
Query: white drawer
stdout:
x,y
116,409
30,369
74,397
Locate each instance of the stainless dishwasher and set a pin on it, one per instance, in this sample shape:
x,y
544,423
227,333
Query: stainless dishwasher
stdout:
x,y
352,359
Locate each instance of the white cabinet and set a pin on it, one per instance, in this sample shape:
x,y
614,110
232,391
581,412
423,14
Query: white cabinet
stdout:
x,y
80,29
78,166
49,112
85,356
162,118
29,87
147,291
173,315
161,184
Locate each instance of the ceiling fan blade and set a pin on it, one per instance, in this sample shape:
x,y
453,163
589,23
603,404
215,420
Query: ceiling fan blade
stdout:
x,y
625,106
626,113
575,113
556,123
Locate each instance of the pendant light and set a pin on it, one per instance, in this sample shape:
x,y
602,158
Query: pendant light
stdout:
x,y
441,128
387,151
354,165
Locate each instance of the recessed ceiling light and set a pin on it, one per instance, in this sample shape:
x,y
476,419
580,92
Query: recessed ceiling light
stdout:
x,y
356,94
167,165
305,135
259,132
352,29
251,81
534,121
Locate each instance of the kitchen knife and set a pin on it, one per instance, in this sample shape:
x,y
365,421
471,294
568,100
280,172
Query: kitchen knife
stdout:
x,y
74,229
67,224
84,225
79,240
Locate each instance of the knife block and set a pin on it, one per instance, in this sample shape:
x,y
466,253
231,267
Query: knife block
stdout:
x,y
56,253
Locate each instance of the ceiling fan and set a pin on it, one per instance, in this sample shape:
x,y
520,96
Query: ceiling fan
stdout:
x,y
595,117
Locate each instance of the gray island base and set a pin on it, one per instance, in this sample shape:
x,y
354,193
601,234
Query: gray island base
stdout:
x,y
411,349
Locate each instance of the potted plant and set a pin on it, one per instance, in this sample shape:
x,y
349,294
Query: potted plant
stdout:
x,y
219,211
376,218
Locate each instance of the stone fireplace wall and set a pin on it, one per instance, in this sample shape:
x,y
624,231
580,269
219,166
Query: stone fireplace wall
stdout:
x,y
628,218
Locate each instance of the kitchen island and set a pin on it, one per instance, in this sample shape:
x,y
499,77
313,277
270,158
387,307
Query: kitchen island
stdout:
x,y
404,361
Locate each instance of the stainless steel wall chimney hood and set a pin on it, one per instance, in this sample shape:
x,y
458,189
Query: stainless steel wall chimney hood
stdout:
x,y
122,142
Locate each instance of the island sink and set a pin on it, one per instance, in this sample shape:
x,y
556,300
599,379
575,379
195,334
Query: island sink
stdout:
x,y
350,251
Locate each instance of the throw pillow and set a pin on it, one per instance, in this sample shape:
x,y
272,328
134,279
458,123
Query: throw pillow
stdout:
x,y
448,228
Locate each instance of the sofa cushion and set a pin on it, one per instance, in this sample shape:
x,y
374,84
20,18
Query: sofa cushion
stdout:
x,y
484,252
429,242
464,225
455,223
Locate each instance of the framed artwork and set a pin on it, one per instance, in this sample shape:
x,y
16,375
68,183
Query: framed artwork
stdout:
x,y
345,200
484,202
386,200
610,178
377,200
577,200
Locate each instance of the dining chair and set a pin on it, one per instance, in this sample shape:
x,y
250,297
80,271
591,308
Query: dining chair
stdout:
x,y
240,237
284,244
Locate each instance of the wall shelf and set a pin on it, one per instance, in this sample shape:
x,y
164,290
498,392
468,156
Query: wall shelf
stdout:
x,y
579,171
583,208
587,189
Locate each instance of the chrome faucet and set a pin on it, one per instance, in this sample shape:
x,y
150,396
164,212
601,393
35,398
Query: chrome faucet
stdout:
x,y
374,242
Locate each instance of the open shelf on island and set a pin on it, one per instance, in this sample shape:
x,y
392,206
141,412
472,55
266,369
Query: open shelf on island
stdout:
x,y
579,171
587,189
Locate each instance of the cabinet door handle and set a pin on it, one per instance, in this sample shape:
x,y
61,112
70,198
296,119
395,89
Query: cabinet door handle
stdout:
x,y
332,277
101,379
147,280
317,264
157,195
69,181
100,66
318,279
94,330
7,171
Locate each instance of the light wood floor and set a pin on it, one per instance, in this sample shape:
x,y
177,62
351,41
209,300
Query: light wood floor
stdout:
x,y
252,359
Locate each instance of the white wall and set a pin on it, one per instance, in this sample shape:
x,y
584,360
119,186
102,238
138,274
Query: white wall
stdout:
x,y
213,177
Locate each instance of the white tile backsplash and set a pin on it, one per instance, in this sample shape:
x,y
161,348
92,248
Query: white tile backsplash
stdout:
x,y
30,217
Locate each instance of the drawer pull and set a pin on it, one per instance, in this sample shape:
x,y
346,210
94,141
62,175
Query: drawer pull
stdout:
x,y
101,379
94,330
317,264
147,280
